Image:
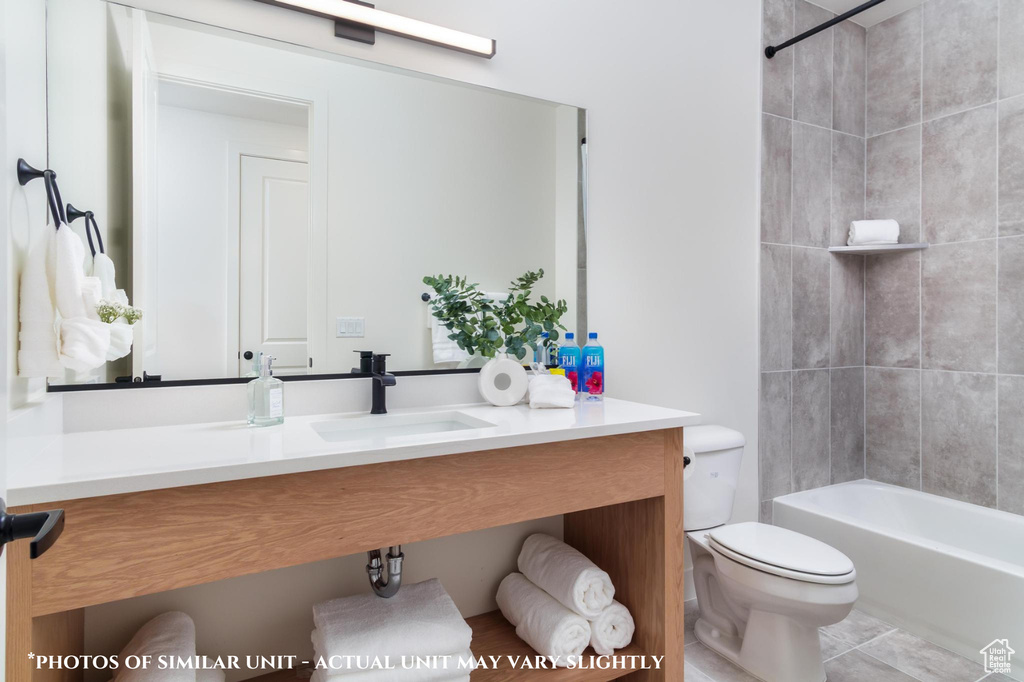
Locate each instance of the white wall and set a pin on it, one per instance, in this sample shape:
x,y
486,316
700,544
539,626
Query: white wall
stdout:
x,y
672,95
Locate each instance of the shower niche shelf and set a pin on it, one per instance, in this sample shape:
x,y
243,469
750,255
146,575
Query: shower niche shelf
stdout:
x,y
494,636
877,249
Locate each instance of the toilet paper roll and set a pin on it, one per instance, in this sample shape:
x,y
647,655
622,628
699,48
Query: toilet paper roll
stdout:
x,y
503,381
688,471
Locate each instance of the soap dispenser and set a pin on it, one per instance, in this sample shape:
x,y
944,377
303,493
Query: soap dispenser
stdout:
x,y
266,396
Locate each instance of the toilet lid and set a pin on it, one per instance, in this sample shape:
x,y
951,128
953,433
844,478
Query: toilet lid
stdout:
x,y
771,546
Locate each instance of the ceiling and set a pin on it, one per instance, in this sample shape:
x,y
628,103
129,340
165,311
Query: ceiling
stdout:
x,y
889,8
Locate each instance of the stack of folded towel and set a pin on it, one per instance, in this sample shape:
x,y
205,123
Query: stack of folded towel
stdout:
x,y
870,232
560,602
355,635
169,634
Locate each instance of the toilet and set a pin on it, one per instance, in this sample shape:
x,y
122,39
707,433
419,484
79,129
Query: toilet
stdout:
x,y
762,591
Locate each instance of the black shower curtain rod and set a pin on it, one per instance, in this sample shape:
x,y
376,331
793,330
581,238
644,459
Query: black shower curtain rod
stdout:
x,y
771,50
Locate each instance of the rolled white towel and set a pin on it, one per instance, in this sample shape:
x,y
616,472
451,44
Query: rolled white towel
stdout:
x,y
169,634
421,620
612,630
547,626
567,575
867,232
446,667
551,390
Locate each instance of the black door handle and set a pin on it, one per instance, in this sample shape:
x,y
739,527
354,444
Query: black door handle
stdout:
x,y
43,527
247,355
686,461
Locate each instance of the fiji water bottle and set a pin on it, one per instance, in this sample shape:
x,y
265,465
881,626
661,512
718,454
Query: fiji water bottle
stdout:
x,y
592,373
569,356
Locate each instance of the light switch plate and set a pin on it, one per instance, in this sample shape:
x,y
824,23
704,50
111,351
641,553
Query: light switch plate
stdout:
x,y
351,327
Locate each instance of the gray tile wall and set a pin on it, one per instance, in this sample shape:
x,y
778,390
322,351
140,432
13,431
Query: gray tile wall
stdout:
x,y
944,328
812,303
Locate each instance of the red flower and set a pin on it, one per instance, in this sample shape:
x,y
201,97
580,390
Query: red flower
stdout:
x,y
595,383
573,379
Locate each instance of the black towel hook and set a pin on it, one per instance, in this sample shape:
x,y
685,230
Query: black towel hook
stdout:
x,y
90,222
27,174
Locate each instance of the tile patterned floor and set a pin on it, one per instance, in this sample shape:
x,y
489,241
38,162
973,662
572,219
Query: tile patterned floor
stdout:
x,y
859,649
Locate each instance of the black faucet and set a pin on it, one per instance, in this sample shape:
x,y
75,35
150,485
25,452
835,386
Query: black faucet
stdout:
x,y
381,380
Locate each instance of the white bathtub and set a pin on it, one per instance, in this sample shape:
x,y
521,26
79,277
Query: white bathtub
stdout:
x,y
947,571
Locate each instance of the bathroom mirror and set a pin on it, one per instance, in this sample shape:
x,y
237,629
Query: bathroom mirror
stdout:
x,y
258,196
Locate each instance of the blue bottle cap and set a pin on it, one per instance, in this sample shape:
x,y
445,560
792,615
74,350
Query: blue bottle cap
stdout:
x,y
592,335
570,336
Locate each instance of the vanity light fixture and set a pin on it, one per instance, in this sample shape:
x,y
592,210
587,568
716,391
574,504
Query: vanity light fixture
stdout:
x,y
359,20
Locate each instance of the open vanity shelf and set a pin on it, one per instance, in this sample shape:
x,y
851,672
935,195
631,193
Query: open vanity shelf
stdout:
x,y
493,636
876,249
616,480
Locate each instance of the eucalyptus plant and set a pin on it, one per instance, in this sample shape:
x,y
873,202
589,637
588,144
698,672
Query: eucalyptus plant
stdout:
x,y
481,325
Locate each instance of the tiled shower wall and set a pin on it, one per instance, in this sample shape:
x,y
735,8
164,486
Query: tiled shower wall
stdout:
x,y
812,302
945,327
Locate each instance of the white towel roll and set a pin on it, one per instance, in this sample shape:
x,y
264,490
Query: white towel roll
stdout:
x,y
547,626
169,634
567,575
867,232
421,620
612,630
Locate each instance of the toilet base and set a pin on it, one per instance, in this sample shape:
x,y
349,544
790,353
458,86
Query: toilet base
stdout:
x,y
774,648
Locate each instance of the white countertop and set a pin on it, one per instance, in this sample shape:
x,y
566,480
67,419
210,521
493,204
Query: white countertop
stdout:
x,y
97,463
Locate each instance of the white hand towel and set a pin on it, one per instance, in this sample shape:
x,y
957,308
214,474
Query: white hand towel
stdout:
x,y
121,337
83,338
547,626
566,575
103,270
83,343
444,667
612,630
421,620
867,232
169,634
37,334
445,350
551,390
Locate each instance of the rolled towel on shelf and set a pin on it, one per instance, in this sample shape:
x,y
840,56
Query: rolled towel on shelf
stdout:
x,y
421,620
540,621
612,630
169,634
868,232
568,576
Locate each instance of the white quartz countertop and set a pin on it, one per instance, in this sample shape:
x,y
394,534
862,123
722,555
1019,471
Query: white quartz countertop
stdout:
x,y
97,463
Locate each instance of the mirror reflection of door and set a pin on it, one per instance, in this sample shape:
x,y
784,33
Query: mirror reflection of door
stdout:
x,y
273,250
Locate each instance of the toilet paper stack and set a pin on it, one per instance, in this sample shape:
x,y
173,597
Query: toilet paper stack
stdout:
x,y
560,602
417,635
168,635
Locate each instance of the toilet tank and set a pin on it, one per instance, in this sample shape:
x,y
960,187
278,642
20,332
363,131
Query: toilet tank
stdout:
x,y
709,482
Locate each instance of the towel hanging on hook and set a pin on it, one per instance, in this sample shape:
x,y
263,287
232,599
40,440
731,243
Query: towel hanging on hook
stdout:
x,y
74,214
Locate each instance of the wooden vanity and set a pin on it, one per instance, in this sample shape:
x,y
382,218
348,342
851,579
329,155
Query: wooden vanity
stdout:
x,y
622,497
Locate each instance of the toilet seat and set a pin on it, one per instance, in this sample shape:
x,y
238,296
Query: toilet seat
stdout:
x,y
782,552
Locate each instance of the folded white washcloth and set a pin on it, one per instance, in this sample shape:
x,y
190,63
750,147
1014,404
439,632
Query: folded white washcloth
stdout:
x,y
445,350
169,634
121,336
421,620
83,343
551,390
547,626
427,669
612,630
567,575
867,232
37,333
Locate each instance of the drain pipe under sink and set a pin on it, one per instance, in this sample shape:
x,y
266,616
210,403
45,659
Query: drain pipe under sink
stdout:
x,y
385,586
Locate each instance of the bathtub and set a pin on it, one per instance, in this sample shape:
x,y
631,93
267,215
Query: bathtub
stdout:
x,y
947,571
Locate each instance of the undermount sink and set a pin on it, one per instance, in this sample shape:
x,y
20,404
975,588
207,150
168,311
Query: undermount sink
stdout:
x,y
395,425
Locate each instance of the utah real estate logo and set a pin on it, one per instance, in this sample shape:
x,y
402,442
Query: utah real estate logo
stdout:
x,y
997,656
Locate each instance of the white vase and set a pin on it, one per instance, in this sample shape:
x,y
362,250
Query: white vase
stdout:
x,y
503,381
